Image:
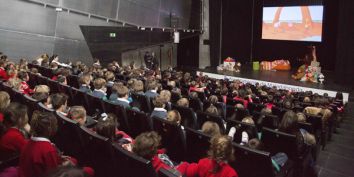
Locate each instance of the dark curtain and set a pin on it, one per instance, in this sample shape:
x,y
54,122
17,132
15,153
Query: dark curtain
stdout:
x,y
214,31
188,51
345,43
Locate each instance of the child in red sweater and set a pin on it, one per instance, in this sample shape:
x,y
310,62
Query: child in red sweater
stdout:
x,y
40,155
13,137
221,151
24,88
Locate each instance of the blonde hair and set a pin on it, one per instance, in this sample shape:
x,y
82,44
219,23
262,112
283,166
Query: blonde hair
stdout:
x,y
85,79
138,86
174,117
212,110
183,102
77,112
221,150
301,117
248,120
166,95
109,76
211,128
4,100
41,89
99,83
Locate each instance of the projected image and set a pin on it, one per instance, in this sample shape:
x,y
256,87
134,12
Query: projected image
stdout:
x,y
296,23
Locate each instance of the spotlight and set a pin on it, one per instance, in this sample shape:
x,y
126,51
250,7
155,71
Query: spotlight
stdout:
x,y
58,9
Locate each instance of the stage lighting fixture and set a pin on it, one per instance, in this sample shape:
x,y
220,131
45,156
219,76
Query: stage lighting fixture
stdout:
x,y
58,9
176,37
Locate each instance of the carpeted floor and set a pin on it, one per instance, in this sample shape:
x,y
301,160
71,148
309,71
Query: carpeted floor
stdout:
x,y
337,160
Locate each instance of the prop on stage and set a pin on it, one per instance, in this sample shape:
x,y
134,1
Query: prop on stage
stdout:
x,y
310,73
277,65
230,65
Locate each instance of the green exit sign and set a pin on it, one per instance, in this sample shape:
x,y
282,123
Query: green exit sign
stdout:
x,y
112,34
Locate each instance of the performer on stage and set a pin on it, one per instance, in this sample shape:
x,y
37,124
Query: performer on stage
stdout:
x,y
148,60
306,62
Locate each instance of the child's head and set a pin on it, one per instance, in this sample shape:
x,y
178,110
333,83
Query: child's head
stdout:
x,y
165,95
212,110
301,117
109,76
4,100
152,85
183,102
107,125
41,89
159,102
248,120
289,122
255,144
43,124
174,117
211,128
78,113
85,79
23,76
146,145
138,86
221,149
15,115
59,101
213,99
122,91
99,83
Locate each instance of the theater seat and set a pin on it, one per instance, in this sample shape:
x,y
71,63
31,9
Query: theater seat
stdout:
x,y
98,153
68,91
31,104
73,81
173,138
188,116
142,102
240,127
202,117
43,108
138,122
53,85
129,164
197,144
254,163
67,138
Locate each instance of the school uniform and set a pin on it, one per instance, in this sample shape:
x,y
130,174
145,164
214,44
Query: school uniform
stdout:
x,y
85,88
122,102
159,112
99,94
205,168
13,141
25,88
151,94
3,73
38,157
113,97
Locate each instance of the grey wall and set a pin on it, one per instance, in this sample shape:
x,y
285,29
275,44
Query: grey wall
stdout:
x,y
29,29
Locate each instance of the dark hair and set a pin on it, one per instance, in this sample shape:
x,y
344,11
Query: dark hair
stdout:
x,y
43,124
339,96
289,123
58,100
106,126
15,115
22,75
67,171
146,145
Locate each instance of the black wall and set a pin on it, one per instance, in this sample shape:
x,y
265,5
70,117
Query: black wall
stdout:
x,y
345,46
188,51
241,38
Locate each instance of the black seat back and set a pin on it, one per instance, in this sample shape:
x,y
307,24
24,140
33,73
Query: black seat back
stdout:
x,y
43,108
67,138
138,122
196,104
99,153
172,138
246,159
142,102
241,127
73,81
95,104
202,117
131,165
197,144
53,85
276,141
188,116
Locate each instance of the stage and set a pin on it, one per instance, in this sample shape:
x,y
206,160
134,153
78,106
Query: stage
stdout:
x,y
282,80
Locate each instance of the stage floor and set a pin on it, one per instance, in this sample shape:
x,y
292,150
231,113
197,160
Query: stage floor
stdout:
x,y
281,79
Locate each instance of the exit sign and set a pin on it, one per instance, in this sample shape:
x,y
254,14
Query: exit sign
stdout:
x,y
112,35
